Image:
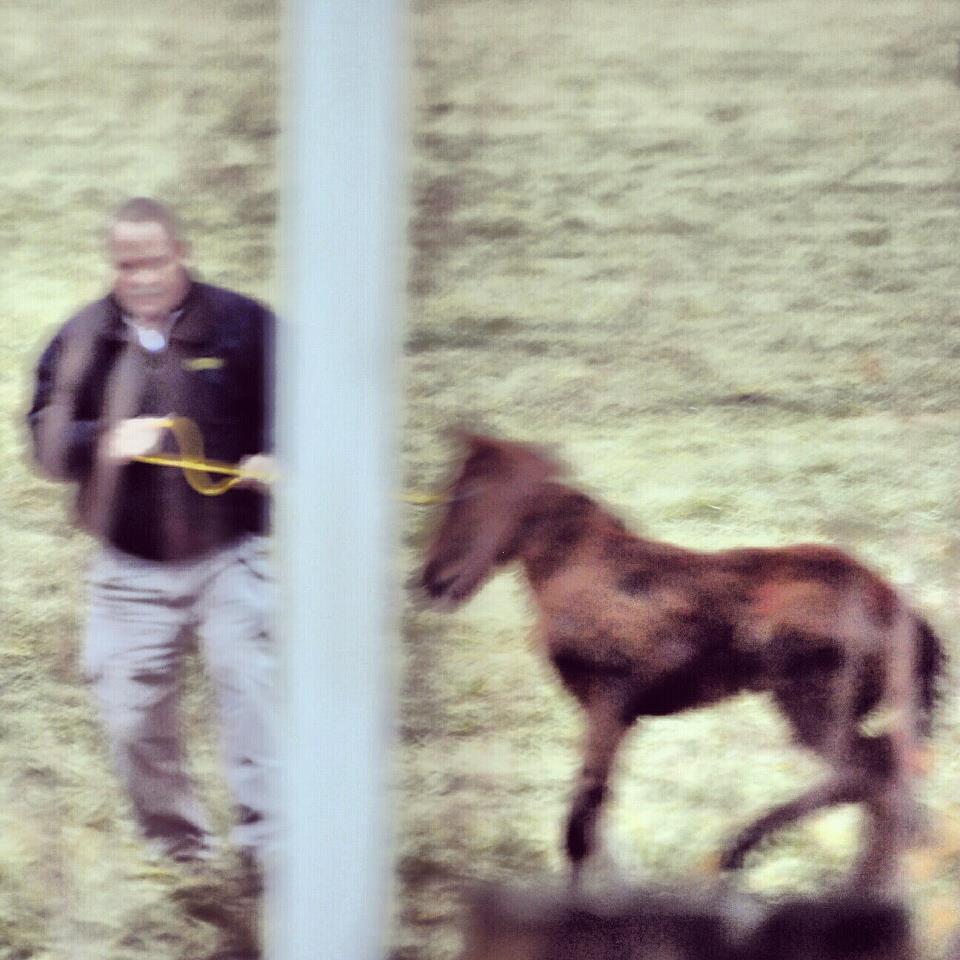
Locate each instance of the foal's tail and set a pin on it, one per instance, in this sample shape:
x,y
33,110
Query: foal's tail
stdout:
x,y
930,663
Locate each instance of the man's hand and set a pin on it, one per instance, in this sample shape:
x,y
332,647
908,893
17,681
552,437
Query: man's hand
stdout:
x,y
133,438
260,471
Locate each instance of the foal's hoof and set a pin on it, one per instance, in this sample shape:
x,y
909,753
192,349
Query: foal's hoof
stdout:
x,y
732,859
729,863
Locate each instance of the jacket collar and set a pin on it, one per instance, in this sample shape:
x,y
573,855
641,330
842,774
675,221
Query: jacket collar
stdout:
x,y
192,326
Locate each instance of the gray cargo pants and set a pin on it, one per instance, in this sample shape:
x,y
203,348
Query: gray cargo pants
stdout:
x,y
143,618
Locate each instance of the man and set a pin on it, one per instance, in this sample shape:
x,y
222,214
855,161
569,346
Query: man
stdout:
x,y
173,565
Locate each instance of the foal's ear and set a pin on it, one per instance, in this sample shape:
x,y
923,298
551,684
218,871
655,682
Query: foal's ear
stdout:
x,y
548,459
542,459
534,461
472,438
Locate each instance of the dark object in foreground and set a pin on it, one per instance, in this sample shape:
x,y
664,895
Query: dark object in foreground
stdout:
x,y
659,925
640,628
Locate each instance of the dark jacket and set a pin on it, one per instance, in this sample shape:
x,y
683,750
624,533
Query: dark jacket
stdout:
x,y
217,370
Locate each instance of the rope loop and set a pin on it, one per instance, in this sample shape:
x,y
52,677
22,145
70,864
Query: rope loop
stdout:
x,y
196,468
194,464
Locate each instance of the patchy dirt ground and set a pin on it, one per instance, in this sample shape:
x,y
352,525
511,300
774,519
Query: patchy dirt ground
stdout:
x,y
709,249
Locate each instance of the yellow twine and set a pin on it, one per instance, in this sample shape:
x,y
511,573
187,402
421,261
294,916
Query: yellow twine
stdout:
x,y
195,466
422,499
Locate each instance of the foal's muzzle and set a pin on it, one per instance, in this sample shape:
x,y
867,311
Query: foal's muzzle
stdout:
x,y
434,582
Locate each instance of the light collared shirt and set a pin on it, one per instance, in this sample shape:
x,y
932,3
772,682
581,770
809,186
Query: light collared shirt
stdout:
x,y
153,337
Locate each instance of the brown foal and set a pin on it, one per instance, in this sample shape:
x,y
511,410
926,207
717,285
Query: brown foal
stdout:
x,y
640,628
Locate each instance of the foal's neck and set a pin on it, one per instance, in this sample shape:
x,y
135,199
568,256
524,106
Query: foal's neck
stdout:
x,y
558,522
562,522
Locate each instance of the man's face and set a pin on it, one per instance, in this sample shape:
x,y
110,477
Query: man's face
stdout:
x,y
149,277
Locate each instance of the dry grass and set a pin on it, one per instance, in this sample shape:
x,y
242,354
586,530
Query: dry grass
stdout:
x,y
708,247
102,100
710,250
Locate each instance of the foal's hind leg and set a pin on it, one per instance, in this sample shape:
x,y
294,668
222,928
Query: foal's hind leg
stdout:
x,y
606,727
891,815
877,869
815,689
834,790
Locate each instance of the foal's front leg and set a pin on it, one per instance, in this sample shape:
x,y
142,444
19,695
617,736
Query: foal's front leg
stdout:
x,y
606,727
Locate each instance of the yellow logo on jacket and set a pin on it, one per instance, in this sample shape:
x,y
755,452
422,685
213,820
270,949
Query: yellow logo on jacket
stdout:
x,y
203,363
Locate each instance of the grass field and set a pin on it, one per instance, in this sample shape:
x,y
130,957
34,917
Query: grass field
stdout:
x,y
102,100
708,248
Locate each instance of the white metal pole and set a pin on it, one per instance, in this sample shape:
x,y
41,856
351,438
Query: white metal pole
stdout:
x,y
340,256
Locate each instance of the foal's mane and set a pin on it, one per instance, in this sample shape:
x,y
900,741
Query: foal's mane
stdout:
x,y
526,458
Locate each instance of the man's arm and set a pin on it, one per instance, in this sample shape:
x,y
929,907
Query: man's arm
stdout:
x,y
266,367
63,446
262,467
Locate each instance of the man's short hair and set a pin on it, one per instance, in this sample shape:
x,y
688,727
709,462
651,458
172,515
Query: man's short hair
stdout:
x,y
146,210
